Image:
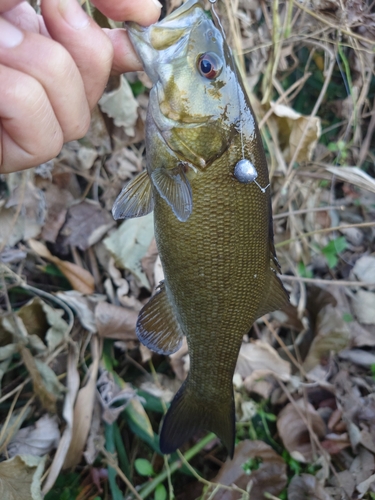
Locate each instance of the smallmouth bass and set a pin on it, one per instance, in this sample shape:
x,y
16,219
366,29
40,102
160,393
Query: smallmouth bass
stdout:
x,y
207,182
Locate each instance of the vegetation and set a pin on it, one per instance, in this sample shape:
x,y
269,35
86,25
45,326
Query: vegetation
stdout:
x,y
81,401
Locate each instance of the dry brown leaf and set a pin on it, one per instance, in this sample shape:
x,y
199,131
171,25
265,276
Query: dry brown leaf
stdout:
x,y
148,263
364,269
332,334
291,127
112,395
72,389
45,322
258,359
115,322
20,478
267,474
129,244
83,307
363,303
294,431
37,440
80,279
57,201
87,223
121,105
83,410
353,175
307,487
28,201
47,398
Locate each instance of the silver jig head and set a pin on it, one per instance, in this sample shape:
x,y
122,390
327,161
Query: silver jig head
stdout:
x,y
245,172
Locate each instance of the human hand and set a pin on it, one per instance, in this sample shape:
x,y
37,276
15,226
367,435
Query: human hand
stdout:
x,y
53,70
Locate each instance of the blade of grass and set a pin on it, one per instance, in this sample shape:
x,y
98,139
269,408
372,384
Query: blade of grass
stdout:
x,y
110,447
194,450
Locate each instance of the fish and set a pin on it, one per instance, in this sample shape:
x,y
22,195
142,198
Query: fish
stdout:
x,y
207,183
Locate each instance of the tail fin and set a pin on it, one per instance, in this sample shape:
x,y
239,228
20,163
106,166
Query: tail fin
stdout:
x,y
189,413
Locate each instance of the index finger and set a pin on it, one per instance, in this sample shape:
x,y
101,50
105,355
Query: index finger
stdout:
x,y
144,13
6,5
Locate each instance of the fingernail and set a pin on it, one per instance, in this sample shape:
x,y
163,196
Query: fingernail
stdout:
x,y
74,14
10,36
157,3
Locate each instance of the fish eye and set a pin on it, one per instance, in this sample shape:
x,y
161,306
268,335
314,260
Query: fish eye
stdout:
x,y
209,65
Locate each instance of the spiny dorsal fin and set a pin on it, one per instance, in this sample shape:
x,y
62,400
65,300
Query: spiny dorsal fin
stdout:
x,y
157,327
135,200
174,187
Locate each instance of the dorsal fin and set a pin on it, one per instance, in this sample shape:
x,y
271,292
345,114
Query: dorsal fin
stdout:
x,y
157,327
135,200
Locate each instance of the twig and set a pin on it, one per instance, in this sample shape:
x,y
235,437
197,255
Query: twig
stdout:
x,y
321,281
324,230
113,463
307,211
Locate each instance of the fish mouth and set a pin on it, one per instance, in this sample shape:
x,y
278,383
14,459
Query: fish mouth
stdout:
x,y
162,41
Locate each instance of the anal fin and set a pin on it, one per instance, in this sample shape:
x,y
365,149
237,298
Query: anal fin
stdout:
x,y
174,187
135,200
157,327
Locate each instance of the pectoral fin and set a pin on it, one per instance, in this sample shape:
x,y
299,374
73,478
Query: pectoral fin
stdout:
x,y
174,187
135,200
157,327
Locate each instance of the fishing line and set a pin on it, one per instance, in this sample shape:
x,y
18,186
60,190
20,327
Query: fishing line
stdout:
x,y
245,170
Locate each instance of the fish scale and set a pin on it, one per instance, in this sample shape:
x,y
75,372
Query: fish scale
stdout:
x,y
213,227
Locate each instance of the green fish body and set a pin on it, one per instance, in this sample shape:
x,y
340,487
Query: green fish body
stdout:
x,y
213,223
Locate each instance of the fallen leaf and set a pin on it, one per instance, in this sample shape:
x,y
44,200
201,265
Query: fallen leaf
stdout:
x,y
44,380
80,279
115,322
364,487
353,175
87,157
307,487
83,307
253,462
22,217
96,439
363,306
257,360
294,431
86,224
291,128
148,263
124,163
44,321
364,269
113,398
83,410
57,202
72,389
359,357
20,478
129,244
97,135
332,335
37,440
121,105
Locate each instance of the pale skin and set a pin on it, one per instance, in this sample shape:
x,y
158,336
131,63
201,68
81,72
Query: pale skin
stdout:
x,y
53,71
